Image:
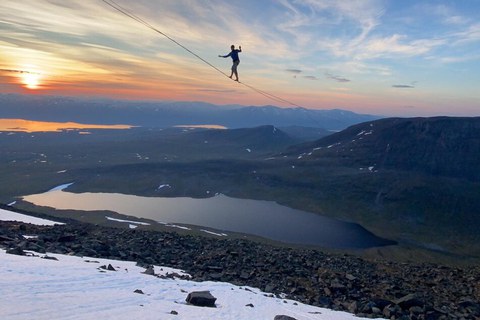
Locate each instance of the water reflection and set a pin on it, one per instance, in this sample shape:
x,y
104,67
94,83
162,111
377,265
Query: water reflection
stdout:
x,y
263,218
20,125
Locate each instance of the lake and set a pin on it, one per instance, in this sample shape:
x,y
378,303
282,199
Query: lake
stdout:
x,y
267,219
21,125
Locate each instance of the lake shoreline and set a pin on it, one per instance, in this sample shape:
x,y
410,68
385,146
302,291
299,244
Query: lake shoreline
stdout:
x,y
260,218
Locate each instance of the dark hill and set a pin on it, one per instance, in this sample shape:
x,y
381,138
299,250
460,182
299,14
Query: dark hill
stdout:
x,y
263,137
441,146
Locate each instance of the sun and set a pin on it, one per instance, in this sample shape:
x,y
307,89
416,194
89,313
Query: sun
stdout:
x,y
31,80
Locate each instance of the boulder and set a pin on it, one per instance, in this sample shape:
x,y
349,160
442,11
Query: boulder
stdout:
x,y
201,299
17,250
150,271
408,301
283,317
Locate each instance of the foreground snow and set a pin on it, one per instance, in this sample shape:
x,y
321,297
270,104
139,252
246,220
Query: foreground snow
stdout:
x,y
75,288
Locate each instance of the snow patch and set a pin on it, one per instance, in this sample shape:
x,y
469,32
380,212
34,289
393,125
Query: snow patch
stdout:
x,y
128,221
214,233
174,226
71,288
6,215
29,237
333,145
248,150
164,186
61,187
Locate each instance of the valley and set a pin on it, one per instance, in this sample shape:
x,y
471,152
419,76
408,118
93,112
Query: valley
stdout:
x,y
412,191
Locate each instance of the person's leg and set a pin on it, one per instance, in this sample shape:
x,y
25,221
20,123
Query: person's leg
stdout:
x,y
234,69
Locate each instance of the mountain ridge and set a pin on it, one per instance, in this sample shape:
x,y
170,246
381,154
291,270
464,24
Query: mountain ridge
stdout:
x,y
168,113
445,146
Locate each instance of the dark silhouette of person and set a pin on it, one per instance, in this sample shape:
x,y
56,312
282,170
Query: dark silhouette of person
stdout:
x,y
235,58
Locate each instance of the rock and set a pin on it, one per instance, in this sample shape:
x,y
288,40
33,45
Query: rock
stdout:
x,y
5,239
350,277
109,267
201,299
408,301
67,238
416,310
283,317
352,307
149,270
174,312
17,250
250,305
138,291
49,258
269,287
382,303
376,310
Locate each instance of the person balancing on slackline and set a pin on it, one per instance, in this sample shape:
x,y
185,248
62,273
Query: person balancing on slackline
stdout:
x,y
236,60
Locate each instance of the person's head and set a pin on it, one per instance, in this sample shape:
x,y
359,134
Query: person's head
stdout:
x,y
232,47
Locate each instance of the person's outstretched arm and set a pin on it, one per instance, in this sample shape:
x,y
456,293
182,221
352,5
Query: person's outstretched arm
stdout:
x,y
228,55
239,48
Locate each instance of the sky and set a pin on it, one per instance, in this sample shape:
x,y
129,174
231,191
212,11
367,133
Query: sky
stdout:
x,y
386,57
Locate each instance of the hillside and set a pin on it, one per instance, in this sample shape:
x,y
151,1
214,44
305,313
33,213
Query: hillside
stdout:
x,y
437,146
414,180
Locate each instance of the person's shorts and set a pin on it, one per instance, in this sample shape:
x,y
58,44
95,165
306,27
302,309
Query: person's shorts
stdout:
x,y
235,64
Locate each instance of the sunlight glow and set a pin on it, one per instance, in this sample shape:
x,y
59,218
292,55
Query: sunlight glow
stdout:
x,y
31,80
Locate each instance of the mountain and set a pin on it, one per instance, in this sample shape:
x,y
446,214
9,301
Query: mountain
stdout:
x,y
414,180
264,138
306,133
441,146
167,114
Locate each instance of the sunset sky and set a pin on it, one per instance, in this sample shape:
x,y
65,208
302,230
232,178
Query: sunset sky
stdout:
x,y
388,57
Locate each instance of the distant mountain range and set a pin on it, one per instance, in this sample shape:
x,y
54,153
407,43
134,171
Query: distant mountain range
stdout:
x,y
167,114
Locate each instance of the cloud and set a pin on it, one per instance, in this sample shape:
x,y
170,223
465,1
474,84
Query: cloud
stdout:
x,y
219,90
398,45
403,86
295,71
314,21
470,35
336,78
18,71
310,77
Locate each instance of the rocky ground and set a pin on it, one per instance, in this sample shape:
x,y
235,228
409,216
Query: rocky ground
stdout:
x,y
341,282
